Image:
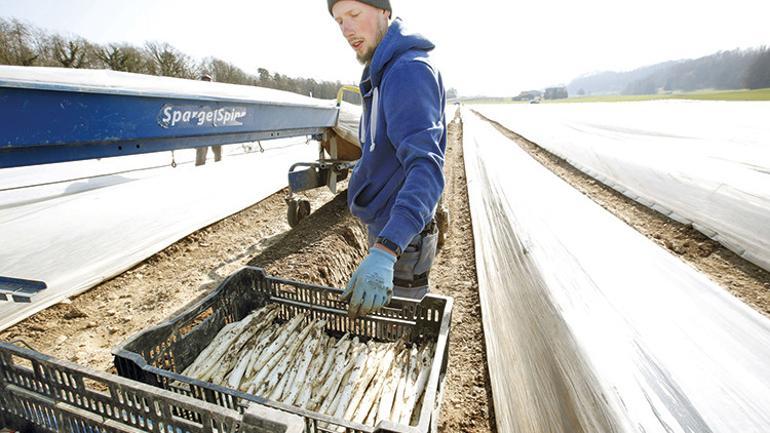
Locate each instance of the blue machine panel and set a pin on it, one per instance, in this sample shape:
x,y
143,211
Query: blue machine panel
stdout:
x,y
45,126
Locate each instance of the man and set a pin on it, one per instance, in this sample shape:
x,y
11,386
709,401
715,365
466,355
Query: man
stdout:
x,y
396,185
200,153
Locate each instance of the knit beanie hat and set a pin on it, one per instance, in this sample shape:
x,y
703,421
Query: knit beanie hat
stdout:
x,y
380,4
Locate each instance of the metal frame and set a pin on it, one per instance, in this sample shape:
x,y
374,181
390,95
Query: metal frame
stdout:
x,y
19,290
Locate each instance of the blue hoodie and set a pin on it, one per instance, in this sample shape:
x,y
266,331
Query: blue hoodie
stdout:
x,y
397,183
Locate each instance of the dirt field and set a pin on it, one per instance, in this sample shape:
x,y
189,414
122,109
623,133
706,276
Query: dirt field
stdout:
x,y
325,249
743,279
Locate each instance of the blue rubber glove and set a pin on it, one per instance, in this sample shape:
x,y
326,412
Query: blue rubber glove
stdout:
x,y
371,286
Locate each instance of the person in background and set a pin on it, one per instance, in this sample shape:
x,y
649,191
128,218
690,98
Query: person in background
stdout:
x,y
201,152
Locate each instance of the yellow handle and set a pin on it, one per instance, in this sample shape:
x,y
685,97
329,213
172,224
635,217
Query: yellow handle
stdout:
x,y
343,89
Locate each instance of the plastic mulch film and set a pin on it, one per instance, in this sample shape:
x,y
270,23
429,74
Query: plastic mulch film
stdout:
x,y
701,163
76,236
591,327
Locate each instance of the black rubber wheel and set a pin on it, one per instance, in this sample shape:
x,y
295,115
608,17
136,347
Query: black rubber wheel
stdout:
x,y
297,210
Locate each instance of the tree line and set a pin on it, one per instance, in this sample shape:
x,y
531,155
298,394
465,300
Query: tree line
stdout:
x,y
22,44
724,70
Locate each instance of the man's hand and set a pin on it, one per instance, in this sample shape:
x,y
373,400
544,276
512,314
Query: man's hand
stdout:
x,y
371,286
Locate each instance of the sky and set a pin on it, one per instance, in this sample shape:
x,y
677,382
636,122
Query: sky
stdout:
x,y
484,47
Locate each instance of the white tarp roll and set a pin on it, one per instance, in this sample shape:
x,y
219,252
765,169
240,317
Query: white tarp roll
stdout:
x,y
590,326
705,163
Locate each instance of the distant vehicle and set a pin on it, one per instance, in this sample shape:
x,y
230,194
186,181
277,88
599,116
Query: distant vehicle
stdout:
x,y
535,101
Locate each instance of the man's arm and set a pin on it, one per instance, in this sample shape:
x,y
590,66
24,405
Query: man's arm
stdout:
x,y
412,105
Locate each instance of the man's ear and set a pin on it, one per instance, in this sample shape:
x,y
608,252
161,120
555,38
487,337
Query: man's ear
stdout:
x,y
387,13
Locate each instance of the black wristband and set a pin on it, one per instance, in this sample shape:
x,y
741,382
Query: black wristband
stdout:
x,y
387,243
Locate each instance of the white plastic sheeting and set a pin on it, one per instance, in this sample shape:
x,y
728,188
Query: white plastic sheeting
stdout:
x,y
74,237
29,184
704,163
591,327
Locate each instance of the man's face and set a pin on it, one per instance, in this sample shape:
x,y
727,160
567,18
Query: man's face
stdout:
x,y
362,25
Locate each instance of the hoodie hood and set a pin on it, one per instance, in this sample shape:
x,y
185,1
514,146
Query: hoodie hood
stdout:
x,y
397,41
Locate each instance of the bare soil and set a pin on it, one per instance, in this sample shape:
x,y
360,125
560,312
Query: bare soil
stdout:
x,y
324,249
742,278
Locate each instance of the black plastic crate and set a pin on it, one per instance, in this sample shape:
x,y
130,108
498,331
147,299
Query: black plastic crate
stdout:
x,y
41,394
158,355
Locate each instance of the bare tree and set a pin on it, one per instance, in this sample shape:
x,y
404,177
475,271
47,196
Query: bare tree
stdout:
x,y
17,45
224,72
168,62
72,53
124,58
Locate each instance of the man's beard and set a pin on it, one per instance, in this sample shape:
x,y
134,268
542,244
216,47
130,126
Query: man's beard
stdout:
x,y
366,57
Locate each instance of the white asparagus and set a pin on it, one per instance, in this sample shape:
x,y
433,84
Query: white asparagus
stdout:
x,y
365,379
203,356
241,372
339,375
265,339
212,363
330,358
301,369
281,368
389,392
334,374
243,344
355,374
221,357
326,347
419,388
368,402
302,366
285,333
304,351
235,377
274,352
405,386
224,337
333,400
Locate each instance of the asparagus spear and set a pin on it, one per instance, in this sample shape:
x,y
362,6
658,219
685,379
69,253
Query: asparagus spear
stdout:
x,y
333,372
241,372
325,351
341,369
373,393
389,392
264,340
297,379
245,342
365,379
419,387
280,370
271,357
355,376
404,386
223,337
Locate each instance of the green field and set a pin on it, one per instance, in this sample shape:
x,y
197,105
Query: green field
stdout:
x,y
708,95
701,95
